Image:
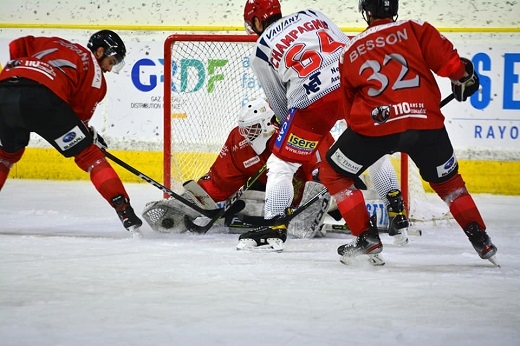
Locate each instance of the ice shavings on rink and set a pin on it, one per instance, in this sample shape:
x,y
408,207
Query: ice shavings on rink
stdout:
x,y
71,275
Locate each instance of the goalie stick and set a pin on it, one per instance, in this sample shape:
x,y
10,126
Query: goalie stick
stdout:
x,y
338,228
205,212
232,206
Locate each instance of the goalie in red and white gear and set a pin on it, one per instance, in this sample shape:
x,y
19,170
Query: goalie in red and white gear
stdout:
x,y
51,87
244,153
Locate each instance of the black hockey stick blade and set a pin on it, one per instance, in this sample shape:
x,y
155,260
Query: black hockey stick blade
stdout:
x,y
234,208
205,212
344,229
237,222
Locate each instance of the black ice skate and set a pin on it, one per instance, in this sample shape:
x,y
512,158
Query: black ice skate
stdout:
x,y
265,238
367,243
481,242
398,223
126,214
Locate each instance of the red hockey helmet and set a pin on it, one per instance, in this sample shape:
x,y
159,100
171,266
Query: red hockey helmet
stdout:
x,y
261,9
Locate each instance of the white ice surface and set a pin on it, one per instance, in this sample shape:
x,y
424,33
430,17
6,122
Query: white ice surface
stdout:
x,y
71,275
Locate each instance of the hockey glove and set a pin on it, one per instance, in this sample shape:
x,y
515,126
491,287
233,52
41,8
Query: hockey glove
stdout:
x,y
466,86
97,139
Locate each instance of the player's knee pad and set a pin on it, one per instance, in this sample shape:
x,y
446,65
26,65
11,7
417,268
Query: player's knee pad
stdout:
x,y
333,181
450,189
89,158
9,159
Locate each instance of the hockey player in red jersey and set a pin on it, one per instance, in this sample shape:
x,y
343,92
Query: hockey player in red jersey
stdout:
x,y
391,104
51,87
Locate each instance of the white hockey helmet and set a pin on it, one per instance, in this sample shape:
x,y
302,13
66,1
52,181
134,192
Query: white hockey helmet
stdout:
x,y
256,123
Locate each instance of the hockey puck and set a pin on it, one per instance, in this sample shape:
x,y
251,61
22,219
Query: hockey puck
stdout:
x,y
167,223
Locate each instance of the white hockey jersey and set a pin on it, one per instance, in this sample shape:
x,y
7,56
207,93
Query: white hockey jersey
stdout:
x,y
296,60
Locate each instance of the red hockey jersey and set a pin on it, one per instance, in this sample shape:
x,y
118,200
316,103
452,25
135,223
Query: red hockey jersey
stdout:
x,y
387,80
68,69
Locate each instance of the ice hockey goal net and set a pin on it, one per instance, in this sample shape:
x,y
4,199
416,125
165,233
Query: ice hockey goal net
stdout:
x,y
207,79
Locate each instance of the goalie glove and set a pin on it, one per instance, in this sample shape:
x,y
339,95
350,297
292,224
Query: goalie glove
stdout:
x,y
97,139
466,86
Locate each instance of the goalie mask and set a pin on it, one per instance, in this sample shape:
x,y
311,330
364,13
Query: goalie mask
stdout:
x,y
112,44
378,9
256,123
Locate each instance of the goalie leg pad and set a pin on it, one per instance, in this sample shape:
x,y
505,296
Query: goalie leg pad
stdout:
x,y
195,193
254,203
309,223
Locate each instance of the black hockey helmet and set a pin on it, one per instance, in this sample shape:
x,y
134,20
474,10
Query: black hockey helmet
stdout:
x,y
378,9
111,42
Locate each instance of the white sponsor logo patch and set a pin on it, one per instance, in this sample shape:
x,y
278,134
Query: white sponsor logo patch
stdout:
x,y
70,139
97,80
447,167
243,144
251,161
345,163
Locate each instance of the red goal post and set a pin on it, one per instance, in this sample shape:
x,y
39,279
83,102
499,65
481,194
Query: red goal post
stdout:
x,y
207,79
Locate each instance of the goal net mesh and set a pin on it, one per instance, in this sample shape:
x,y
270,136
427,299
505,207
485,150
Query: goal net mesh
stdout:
x,y
210,80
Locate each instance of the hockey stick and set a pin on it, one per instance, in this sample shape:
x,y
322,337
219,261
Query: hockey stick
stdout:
x,y
447,100
205,212
338,228
232,205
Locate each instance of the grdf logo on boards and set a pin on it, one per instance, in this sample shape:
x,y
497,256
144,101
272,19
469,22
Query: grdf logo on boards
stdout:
x,y
188,75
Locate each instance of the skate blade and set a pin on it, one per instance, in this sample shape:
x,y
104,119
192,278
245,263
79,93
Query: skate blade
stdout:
x,y
373,259
273,245
136,233
401,239
493,260
376,260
